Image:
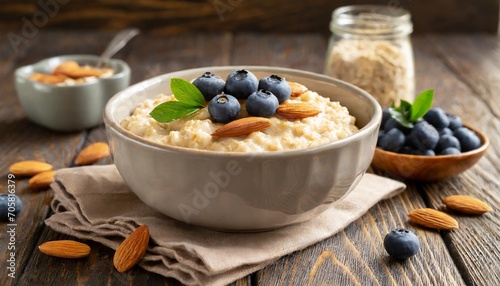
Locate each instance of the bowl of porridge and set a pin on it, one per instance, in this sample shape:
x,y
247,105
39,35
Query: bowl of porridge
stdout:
x,y
286,170
68,93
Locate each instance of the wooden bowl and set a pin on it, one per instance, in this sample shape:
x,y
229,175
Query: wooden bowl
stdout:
x,y
429,168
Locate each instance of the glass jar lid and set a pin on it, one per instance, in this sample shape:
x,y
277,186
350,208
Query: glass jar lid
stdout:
x,y
372,21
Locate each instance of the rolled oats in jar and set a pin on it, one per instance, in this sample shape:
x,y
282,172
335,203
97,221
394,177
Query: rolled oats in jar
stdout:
x,y
370,47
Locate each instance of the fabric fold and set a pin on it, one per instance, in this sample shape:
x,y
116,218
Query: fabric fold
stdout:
x,y
94,203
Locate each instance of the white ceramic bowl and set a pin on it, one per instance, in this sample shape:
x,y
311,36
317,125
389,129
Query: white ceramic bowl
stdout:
x,y
68,108
243,191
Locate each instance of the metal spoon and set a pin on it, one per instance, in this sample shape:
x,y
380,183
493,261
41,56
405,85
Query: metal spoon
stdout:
x,y
116,44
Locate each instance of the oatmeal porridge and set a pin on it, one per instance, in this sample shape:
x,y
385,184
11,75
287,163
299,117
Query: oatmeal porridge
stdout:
x,y
195,131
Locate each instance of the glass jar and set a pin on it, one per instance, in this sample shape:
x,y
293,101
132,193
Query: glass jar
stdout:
x,y
370,47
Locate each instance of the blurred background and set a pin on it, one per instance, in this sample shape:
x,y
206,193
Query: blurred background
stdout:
x,y
175,16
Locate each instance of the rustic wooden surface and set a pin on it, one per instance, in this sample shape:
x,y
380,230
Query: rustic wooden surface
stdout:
x,y
173,16
464,70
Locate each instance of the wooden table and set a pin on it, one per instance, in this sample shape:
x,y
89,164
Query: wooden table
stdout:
x,y
463,69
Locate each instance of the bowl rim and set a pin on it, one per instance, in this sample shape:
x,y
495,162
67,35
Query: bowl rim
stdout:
x,y
485,142
124,71
364,131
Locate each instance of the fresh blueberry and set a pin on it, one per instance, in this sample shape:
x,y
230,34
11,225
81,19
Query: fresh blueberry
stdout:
x,y
393,140
9,203
262,103
447,141
455,122
423,152
210,85
224,108
407,150
437,118
445,131
277,85
385,116
450,151
241,83
468,139
401,244
424,136
381,133
393,123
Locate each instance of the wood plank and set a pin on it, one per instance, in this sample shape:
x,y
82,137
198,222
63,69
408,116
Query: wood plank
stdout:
x,y
98,267
173,16
155,55
24,140
475,62
300,51
356,256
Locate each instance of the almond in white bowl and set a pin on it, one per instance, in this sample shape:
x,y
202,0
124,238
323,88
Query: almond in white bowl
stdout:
x,y
249,190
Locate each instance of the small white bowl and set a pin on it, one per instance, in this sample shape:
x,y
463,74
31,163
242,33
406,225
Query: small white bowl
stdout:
x,y
68,108
243,191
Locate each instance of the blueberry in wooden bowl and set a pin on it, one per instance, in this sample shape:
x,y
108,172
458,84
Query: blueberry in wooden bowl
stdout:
x,y
431,146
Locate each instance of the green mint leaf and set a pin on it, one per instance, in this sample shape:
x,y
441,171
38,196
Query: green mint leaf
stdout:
x,y
187,93
421,105
400,117
172,110
189,100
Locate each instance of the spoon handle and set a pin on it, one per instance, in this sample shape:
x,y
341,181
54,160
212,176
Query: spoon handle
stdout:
x,y
116,44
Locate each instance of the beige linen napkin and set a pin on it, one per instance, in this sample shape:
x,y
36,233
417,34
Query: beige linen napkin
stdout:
x,y
94,203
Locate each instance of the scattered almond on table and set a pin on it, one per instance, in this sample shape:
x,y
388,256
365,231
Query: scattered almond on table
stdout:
x,y
466,205
433,219
132,249
65,249
29,168
42,180
92,154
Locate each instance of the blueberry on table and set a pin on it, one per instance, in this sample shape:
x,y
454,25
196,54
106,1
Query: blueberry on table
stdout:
x,y
424,136
241,83
210,85
467,138
262,103
277,85
393,140
437,118
9,203
450,151
455,122
447,141
401,244
224,108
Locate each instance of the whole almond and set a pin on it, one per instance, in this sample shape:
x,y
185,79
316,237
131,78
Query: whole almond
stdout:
x,y
29,168
433,219
42,180
297,110
92,154
132,249
466,205
65,249
241,127
48,78
297,88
